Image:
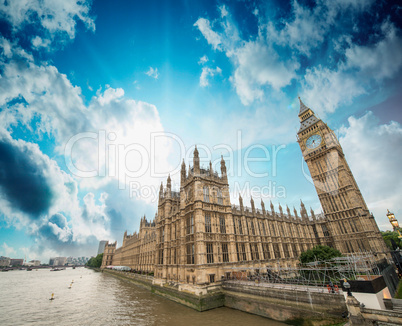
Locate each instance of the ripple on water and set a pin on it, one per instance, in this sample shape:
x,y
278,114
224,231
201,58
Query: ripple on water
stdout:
x,y
98,299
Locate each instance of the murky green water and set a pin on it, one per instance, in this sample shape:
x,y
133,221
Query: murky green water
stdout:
x,y
99,299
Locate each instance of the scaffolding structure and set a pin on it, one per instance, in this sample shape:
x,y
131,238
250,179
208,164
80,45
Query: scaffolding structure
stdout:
x,y
314,276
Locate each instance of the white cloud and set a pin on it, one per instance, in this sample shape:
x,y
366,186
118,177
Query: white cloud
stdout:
x,y
203,59
38,42
50,97
379,61
153,72
224,11
7,250
326,89
271,60
54,16
307,29
212,37
373,152
29,91
257,64
208,72
6,46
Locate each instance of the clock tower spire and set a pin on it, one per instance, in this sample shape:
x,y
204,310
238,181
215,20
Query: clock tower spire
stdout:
x,y
351,226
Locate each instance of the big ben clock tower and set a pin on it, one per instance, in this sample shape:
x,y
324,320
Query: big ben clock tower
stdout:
x,y
352,227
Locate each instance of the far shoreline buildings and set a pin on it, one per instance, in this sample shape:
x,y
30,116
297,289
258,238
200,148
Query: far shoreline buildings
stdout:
x,y
199,237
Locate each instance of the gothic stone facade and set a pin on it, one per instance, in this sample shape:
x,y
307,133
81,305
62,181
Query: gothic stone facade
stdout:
x,y
203,238
200,237
137,251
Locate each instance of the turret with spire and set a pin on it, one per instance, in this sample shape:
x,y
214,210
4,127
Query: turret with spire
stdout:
x,y
196,162
252,204
161,191
223,169
262,207
183,173
240,202
303,211
169,187
312,214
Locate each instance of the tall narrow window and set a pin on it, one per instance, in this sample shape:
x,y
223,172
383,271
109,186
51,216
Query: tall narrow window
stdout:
x,y
240,226
208,227
206,194
285,250
190,224
273,229
315,231
162,235
210,253
256,253
222,224
190,253
264,232
252,228
161,256
294,248
243,251
225,252
234,225
276,250
220,199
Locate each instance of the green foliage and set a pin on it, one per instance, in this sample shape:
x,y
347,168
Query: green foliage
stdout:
x,y
319,253
398,294
388,235
95,261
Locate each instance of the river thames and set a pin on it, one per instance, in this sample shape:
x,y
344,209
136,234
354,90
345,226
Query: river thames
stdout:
x,y
98,299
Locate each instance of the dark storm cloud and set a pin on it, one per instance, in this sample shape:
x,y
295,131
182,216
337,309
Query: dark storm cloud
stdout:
x,y
59,220
56,230
22,181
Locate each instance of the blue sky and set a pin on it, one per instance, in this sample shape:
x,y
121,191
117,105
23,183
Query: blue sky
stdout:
x,y
100,101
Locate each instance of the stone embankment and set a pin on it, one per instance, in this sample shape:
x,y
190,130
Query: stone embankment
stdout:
x,y
297,305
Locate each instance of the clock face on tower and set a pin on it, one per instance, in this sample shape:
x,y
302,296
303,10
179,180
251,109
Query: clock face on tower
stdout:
x,y
314,141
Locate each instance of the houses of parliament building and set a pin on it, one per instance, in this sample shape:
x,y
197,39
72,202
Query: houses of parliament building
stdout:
x,y
199,237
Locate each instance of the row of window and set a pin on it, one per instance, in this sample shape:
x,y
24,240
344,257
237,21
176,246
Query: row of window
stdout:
x,y
238,227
